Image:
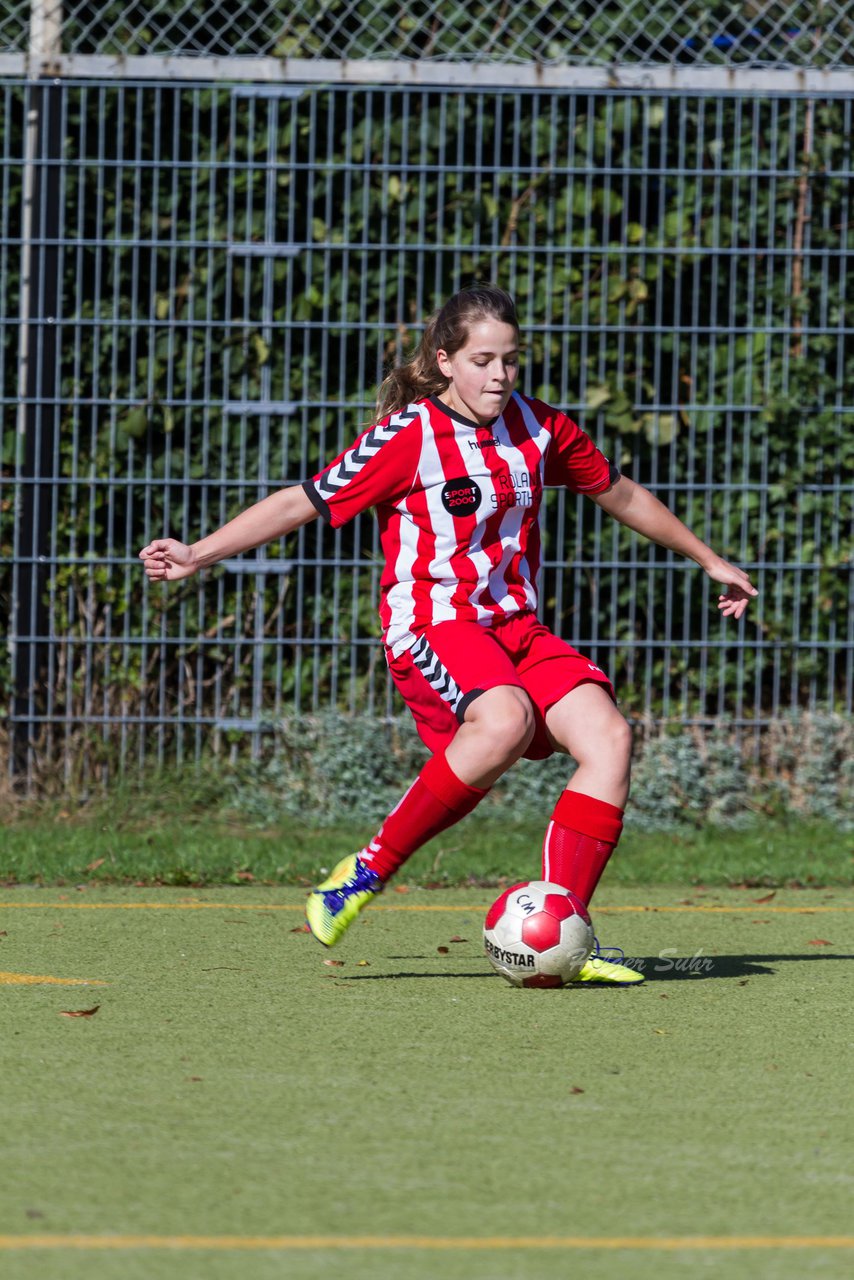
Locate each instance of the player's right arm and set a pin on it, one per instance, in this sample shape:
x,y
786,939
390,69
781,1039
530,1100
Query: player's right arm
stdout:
x,y
167,559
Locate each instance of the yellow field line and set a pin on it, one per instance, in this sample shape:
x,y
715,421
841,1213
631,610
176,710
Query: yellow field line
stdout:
x,y
30,979
462,1243
757,909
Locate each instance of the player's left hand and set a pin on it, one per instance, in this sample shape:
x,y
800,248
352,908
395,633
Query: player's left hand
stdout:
x,y
740,590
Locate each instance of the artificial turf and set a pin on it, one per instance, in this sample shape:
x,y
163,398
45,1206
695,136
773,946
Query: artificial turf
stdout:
x,y
234,1084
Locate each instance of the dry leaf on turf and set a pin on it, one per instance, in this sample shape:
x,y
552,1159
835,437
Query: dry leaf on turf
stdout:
x,y
819,942
443,951
334,964
93,866
301,928
768,896
457,938
576,1089
79,1013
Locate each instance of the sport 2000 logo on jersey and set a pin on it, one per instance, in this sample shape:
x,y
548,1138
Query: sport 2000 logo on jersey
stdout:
x,y
461,497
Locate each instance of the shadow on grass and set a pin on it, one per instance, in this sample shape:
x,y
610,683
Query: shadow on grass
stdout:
x,y
381,977
675,969
654,968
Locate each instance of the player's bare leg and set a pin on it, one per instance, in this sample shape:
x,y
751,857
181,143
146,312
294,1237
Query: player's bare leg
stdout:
x,y
586,725
497,729
496,732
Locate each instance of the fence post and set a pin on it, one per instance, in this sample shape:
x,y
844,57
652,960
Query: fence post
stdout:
x,y
38,378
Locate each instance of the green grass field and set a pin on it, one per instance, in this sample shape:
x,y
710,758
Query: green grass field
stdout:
x,y
408,1111
160,843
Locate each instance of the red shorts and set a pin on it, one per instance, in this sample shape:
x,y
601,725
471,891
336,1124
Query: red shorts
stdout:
x,y
452,663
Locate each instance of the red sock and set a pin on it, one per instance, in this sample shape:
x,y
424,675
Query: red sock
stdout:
x,y
435,801
580,839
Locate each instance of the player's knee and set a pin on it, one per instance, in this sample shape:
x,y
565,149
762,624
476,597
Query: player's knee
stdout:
x,y
606,747
505,719
617,743
510,724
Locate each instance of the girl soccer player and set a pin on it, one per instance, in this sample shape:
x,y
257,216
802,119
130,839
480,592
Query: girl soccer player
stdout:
x,y
455,467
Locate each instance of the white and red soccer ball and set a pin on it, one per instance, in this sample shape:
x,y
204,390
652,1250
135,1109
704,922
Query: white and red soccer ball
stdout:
x,y
538,934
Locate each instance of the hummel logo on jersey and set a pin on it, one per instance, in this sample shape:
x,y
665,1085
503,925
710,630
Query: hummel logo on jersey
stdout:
x,y
489,443
366,449
428,663
461,497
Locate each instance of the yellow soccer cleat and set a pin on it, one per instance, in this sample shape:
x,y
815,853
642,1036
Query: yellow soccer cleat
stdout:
x,y
334,904
598,969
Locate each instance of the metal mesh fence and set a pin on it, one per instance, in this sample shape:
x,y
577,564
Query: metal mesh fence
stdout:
x,y
769,33
217,278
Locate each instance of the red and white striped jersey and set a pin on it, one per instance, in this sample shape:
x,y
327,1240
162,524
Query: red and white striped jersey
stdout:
x,y
458,506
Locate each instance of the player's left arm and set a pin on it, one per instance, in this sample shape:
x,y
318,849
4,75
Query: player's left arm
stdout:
x,y
638,509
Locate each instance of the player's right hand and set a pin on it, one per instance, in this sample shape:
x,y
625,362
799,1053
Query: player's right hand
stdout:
x,y
167,560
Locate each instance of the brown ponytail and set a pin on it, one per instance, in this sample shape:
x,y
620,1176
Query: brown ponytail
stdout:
x,y
447,330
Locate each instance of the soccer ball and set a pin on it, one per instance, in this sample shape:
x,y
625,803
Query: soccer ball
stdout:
x,y
538,934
